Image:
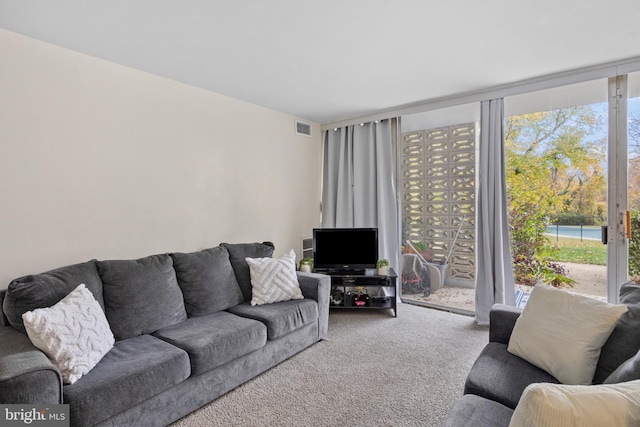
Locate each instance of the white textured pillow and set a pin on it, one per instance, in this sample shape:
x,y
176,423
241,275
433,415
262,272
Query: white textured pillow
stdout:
x,y
74,333
559,405
274,279
563,333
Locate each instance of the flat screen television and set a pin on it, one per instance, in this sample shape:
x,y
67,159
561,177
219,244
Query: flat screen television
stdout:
x,y
350,250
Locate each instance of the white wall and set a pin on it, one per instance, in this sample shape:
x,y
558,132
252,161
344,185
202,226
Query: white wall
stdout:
x,y
103,161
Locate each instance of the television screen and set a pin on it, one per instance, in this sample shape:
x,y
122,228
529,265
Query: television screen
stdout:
x,y
345,249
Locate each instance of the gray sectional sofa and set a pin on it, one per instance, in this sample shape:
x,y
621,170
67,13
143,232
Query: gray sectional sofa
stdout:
x,y
184,328
498,378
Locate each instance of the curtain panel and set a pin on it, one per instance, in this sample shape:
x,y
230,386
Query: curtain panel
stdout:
x,y
494,278
359,183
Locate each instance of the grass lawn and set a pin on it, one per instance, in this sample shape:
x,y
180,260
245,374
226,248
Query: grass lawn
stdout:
x,y
585,252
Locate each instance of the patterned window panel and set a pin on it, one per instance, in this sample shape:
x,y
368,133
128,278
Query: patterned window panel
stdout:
x,y
439,190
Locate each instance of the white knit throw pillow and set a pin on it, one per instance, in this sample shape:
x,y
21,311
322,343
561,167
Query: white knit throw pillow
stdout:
x,y
74,333
274,279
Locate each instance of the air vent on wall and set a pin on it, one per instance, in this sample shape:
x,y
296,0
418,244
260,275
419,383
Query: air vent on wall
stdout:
x,y
303,128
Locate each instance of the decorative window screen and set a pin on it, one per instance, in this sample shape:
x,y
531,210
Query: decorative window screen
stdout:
x,y
439,190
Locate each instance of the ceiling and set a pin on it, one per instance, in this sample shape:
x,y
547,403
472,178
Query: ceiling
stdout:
x,y
328,60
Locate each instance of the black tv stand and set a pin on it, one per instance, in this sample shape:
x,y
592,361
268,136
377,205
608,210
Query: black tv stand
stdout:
x,y
347,291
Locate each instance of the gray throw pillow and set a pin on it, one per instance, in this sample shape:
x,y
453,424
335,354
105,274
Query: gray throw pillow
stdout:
x,y
628,371
46,289
141,296
624,341
207,281
237,254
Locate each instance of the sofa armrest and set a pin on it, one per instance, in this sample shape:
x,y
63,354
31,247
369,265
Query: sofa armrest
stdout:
x,y
4,321
26,374
317,287
502,319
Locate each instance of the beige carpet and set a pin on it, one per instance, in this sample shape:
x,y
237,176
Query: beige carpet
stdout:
x,y
371,370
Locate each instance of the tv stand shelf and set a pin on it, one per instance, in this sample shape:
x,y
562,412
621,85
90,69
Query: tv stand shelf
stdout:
x,y
360,291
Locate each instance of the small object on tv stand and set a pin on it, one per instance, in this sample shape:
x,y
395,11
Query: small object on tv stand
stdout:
x,y
383,267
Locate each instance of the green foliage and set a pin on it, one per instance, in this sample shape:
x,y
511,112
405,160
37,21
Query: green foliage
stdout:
x,y
307,260
532,250
551,163
570,218
634,245
527,226
528,271
382,263
581,252
554,274
634,180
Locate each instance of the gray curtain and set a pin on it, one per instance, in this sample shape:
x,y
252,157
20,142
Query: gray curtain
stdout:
x,y
358,183
494,278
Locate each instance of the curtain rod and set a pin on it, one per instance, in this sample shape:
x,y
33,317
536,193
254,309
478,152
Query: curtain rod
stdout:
x,y
362,123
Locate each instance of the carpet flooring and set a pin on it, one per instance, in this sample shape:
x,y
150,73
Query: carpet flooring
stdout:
x,y
371,370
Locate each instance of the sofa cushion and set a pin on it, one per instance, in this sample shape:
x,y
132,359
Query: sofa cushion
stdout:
x,y
237,254
579,405
207,281
3,317
628,371
141,296
501,376
44,290
73,333
133,371
280,318
475,411
215,339
624,341
563,333
274,279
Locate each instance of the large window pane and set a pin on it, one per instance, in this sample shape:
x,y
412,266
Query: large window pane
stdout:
x,y
633,147
555,148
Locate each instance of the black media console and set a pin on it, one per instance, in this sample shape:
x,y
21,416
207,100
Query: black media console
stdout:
x,y
361,291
